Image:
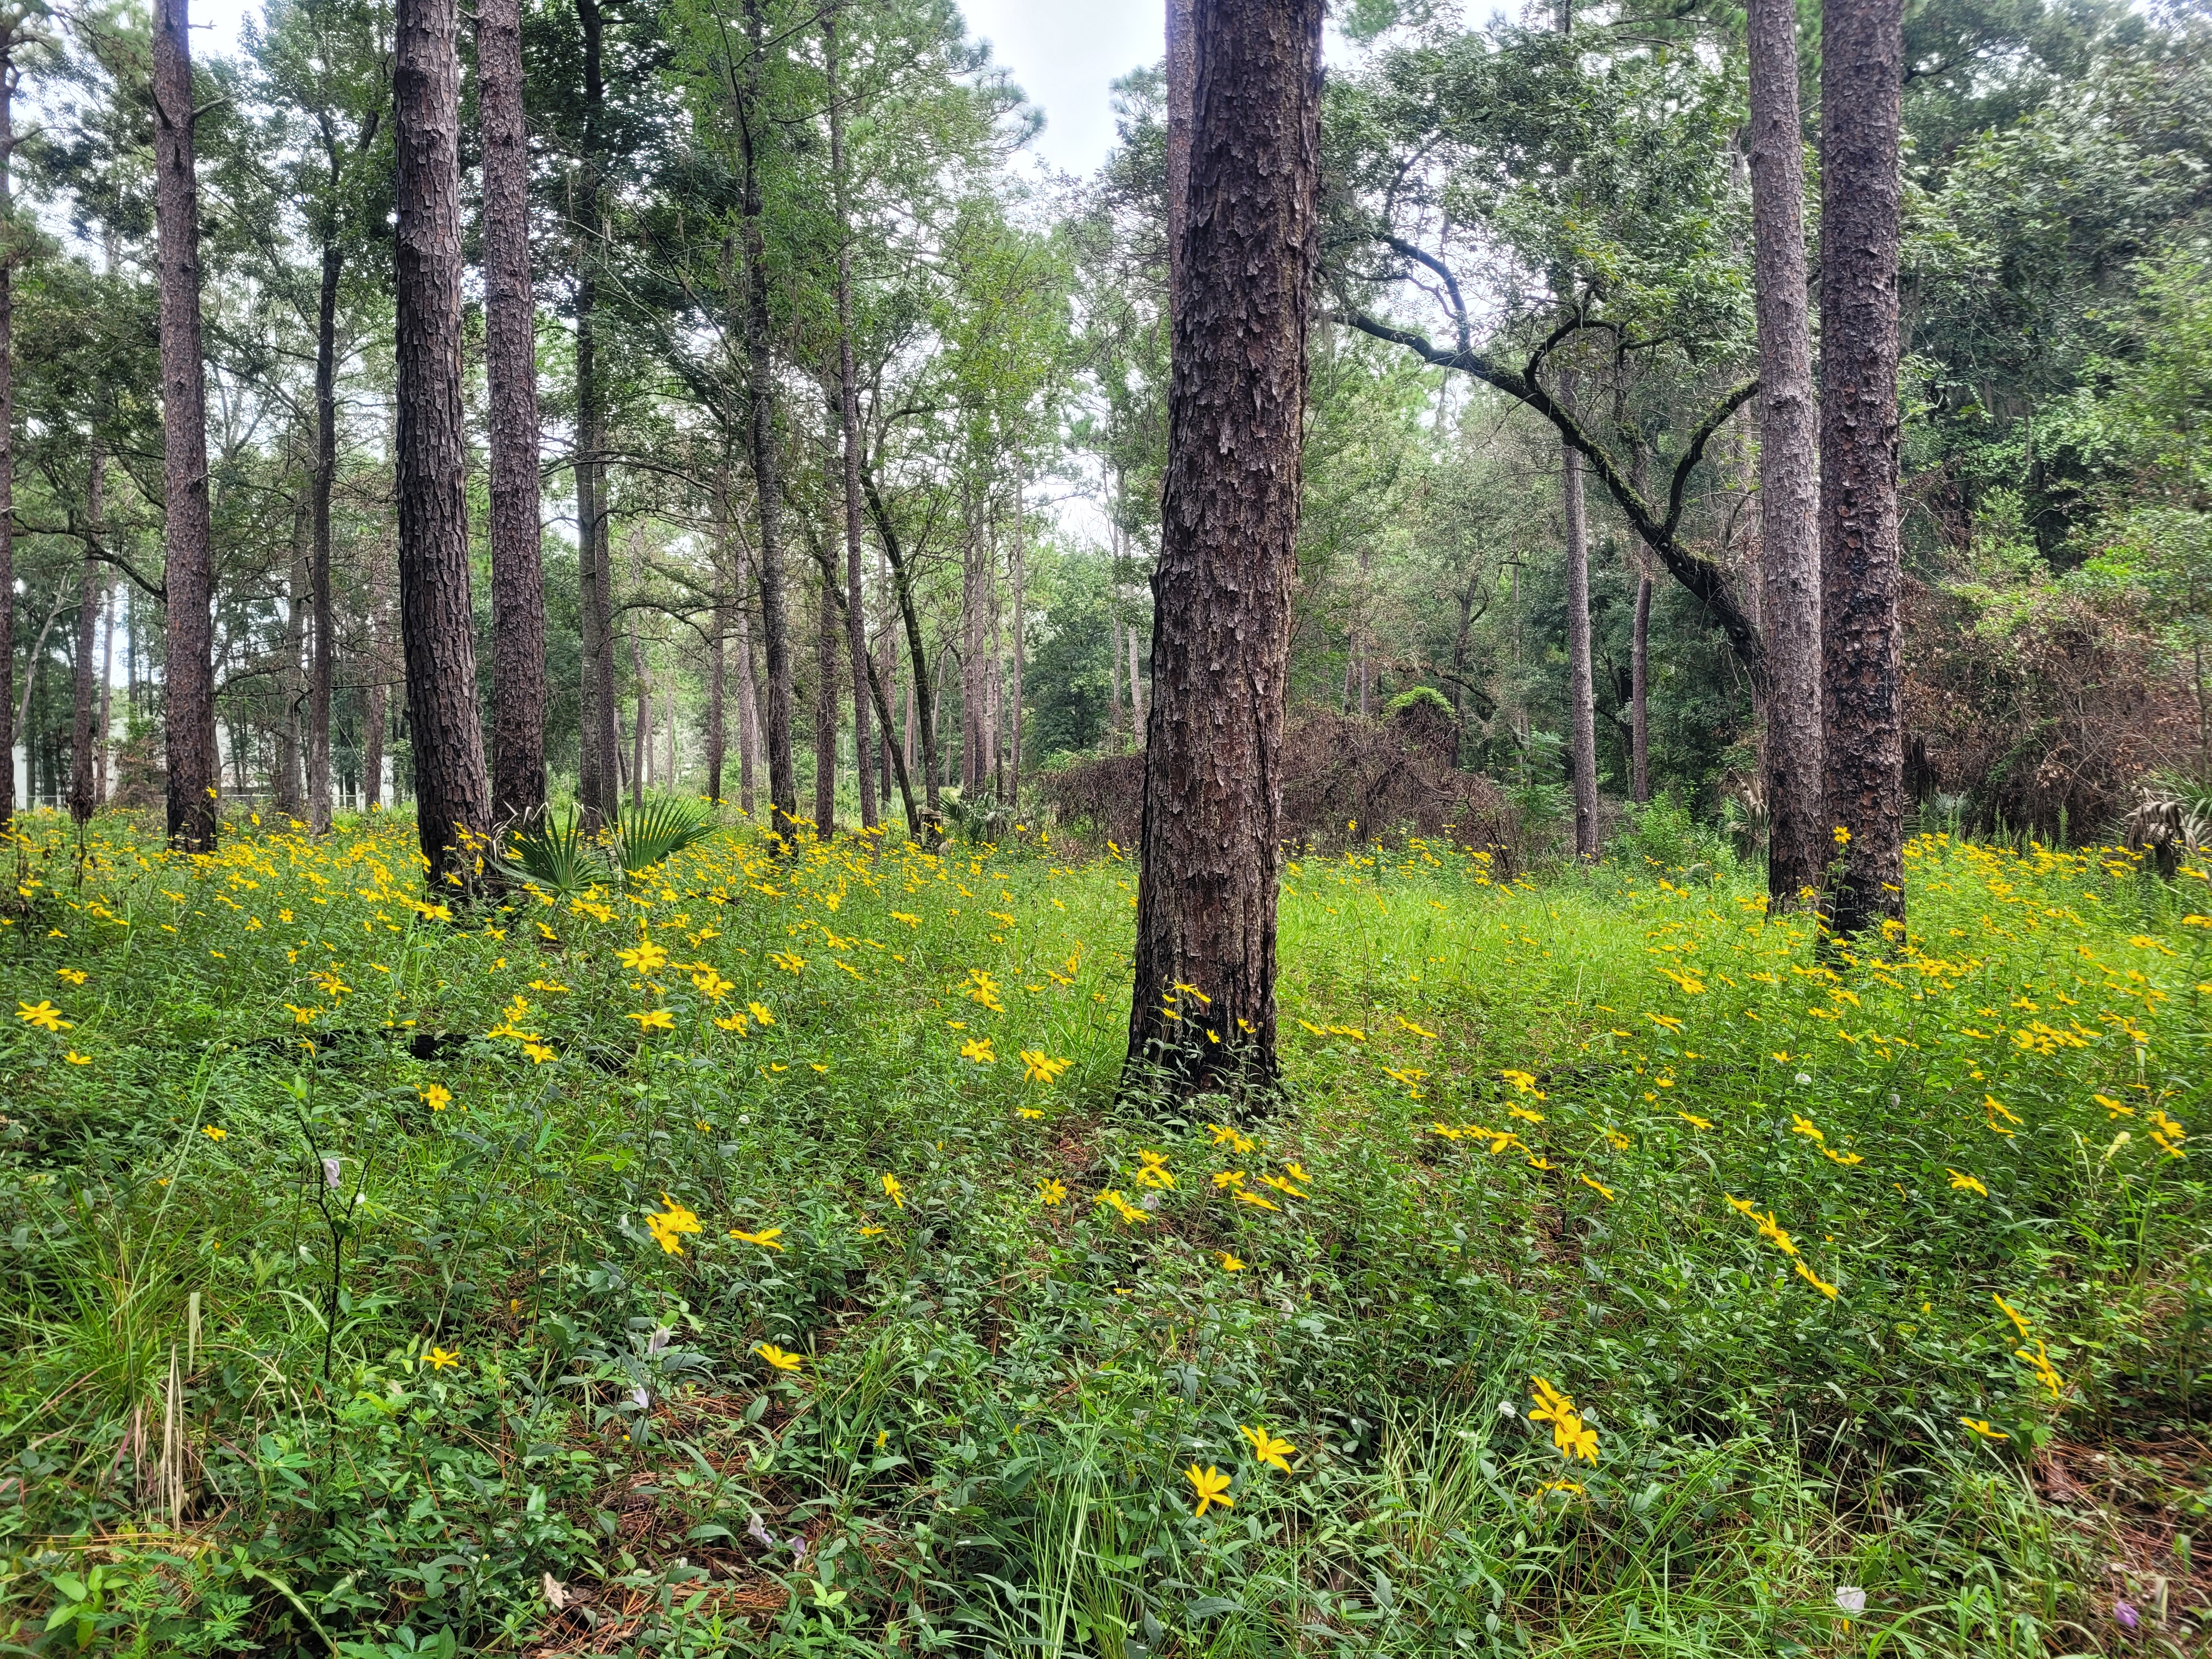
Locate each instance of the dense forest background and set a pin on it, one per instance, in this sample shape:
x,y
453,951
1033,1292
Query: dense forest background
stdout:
x,y
1010,346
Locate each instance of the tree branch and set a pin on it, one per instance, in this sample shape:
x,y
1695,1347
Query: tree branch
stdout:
x,y
1705,578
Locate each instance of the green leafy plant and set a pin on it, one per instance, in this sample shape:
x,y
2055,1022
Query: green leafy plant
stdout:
x,y
647,832
555,853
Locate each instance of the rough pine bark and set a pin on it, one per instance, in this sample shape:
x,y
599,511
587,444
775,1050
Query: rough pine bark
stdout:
x,y
1862,78
1182,89
188,538
517,585
453,794
1212,813
1789,465
775,633
83,792
849,419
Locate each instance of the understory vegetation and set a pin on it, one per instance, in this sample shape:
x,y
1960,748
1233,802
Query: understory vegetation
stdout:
x,y
753,1255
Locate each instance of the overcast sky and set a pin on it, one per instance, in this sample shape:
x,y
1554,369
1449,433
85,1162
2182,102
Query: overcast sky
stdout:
x,y
1063,53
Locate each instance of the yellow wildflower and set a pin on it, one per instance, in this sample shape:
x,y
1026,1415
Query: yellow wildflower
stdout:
x,y
668,1226
1211,1483
1267,1449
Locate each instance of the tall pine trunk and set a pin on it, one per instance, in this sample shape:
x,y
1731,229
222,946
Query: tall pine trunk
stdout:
x,y
775,633
1213,810
1862,79
599,770
848,418
518,585
188,537
83,790
322,644
1789,465
453,794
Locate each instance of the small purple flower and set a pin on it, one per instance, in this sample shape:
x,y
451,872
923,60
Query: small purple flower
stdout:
x,y
797,1548
2128,1617
759,1534
334,1174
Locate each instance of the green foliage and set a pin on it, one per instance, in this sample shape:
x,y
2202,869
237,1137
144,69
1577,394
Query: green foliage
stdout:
x,y
555,853
647,832
1001,1376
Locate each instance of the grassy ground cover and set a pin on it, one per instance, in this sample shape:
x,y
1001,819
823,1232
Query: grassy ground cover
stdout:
x,y
758,1259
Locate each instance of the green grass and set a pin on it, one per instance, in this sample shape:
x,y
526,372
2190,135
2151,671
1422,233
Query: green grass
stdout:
x,y
1517,1114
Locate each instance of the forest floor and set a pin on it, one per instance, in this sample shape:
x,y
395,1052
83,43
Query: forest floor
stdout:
x,y
758,1260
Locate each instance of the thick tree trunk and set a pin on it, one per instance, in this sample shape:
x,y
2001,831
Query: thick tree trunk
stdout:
x,y
1213,813
517,584
188,539
848,417
83,790
1183,90
452,793
1582,700
1789,466
322,644
1862,78
1639,690
783,783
